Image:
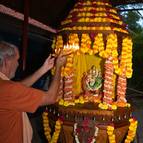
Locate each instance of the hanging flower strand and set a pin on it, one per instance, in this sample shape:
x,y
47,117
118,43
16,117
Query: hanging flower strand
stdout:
x,y
111,135
47,129
132,130
91,140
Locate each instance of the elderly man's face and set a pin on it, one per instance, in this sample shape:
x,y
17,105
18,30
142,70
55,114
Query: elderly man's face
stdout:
x,y
13,65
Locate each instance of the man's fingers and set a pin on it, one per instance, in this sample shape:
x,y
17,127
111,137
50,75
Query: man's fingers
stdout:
x,y
66,54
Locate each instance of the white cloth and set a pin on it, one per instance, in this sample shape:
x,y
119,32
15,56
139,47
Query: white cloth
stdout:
x,y
27,128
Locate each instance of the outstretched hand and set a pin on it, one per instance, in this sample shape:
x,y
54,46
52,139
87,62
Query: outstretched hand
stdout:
x,y
48,64
61,60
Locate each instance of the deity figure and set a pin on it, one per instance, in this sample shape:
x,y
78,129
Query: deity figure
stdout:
x,y
92,82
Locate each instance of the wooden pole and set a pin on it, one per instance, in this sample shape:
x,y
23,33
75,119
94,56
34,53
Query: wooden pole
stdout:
x,y
25,33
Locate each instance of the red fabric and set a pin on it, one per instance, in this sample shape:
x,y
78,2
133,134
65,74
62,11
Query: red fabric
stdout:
x,y
15,98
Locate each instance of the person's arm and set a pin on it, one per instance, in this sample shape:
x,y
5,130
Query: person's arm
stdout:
x,y
51,94
30,80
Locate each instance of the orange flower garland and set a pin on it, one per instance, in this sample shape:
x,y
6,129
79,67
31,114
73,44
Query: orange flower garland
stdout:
x,y
121,90
108,85
68,87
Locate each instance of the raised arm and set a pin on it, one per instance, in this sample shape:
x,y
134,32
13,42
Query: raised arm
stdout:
x,y
30,80
53,89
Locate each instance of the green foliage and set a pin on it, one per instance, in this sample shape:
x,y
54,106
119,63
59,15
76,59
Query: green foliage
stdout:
x,y
132,19
137,80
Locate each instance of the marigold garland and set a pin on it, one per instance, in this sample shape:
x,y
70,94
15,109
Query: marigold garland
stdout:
x,y
80,100
108,82
98,46
121,90
108,39
131,132
85,44
59,44
47,129
111,135
92,41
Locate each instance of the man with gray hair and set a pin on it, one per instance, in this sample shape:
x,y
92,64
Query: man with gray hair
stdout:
x,y
17,98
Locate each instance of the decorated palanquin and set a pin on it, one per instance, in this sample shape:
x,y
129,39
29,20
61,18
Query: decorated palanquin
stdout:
x,y
92,106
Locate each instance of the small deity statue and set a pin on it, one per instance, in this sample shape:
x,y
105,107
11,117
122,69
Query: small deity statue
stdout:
x,y
92,82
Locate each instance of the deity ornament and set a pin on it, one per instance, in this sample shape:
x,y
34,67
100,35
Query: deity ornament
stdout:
x,y
92,83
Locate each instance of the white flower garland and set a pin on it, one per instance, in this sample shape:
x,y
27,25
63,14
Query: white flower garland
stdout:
x,y
76,134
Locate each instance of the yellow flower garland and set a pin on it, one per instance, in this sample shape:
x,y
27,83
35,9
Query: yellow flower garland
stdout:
x,y
98,46
85,44
111,135
131,132
47,129
80,100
